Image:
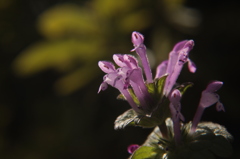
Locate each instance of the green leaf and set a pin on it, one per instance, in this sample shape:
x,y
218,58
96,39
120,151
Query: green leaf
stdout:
x,y
125,119
216,129
153,138
215,137
146,152
65,19
221,147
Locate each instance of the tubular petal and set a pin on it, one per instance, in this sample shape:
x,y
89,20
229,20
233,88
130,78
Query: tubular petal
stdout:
x,y
174,70
175,107
135,76
208,98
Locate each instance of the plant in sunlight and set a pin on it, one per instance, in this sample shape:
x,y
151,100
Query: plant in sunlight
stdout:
x,y
156,103
76,37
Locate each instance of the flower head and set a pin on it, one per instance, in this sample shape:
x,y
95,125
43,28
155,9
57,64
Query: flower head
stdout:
x,y
128,78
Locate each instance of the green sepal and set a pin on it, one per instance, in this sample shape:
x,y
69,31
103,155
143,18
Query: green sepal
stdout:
x,y
159,84
183,87
134,97
121,97
156,88
147,152
151,88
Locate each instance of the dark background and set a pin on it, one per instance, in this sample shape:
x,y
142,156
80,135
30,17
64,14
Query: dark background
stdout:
x,y
39,120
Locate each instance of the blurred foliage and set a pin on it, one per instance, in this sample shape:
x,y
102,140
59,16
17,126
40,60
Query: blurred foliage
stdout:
x,y
76,37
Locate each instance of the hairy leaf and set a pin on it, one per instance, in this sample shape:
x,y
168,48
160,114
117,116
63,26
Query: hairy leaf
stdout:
x,y
125,119
146,152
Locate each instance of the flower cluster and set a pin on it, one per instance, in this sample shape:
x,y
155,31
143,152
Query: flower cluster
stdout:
x,y
154,100
130,75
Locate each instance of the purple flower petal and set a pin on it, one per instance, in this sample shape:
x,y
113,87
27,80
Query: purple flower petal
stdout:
x,y
175,66
191,66
131,61
103,87
135,80
119,60
140,49
139,88
112,78
177,47
137,39
173,56
208,98
175,107
132,148
161,69
106,66
220,107
116,81
175,97
214,86
123,71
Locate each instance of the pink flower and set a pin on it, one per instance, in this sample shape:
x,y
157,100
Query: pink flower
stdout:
x,y
208,98
130,75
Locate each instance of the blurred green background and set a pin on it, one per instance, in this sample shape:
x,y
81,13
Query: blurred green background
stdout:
x,y
49,78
